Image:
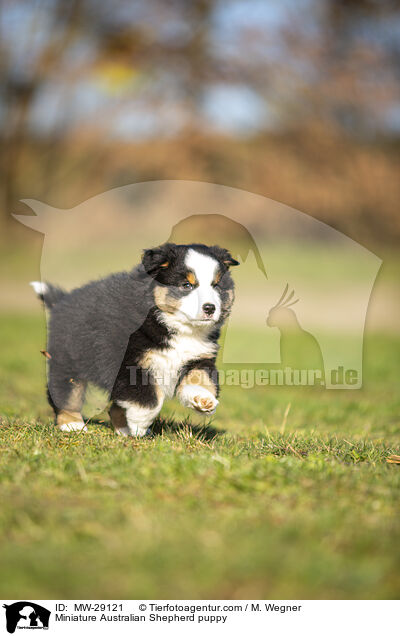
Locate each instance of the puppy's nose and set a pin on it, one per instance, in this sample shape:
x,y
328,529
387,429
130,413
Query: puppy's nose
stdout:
x,y
208,309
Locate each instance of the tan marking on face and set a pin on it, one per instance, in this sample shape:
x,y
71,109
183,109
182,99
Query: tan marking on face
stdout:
x,y
198,377
164,301
66,417
191,278
217,278
117,416
164,265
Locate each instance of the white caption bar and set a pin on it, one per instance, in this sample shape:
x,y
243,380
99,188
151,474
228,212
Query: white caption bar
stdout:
x,y
171,617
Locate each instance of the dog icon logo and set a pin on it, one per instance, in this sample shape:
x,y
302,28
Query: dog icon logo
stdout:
x,y
26,615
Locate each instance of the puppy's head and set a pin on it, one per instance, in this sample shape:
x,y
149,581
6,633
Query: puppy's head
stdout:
x,y
193,282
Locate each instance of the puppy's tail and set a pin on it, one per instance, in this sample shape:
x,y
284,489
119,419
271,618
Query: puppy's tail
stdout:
x,y
48,294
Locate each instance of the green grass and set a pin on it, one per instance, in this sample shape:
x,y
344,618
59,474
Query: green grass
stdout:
x,y
254,505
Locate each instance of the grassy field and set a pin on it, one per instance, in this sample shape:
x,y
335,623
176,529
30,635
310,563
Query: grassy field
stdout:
x,y
266,501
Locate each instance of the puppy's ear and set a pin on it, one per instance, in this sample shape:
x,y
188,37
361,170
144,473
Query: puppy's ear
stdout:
x,y
224,256
158,258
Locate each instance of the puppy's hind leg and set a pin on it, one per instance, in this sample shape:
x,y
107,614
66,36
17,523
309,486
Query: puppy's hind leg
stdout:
x,y
118,420
66,395
198,390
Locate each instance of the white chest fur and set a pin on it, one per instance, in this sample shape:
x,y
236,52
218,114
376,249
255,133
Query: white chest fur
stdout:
x,y
166,364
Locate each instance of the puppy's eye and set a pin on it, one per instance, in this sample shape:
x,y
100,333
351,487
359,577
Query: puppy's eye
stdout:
x,y
187,285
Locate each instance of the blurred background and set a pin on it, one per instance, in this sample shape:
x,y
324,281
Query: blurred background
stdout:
x,y
296,100
290,108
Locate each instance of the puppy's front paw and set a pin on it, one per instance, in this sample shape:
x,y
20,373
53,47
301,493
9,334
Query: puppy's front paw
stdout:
x,y
205,404
199,398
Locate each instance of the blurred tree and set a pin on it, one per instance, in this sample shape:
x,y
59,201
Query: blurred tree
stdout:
x,y
22,76
83,72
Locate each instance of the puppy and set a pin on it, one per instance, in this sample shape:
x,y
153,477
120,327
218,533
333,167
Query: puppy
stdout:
x,y
143,336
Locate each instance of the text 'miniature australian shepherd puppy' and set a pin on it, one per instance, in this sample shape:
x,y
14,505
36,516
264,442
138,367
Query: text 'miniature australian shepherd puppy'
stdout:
x,y
143,336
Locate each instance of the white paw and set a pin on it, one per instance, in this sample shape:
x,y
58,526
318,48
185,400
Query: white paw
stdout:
x,y
133,431
205,404
199,398
69,427
138,418
138,431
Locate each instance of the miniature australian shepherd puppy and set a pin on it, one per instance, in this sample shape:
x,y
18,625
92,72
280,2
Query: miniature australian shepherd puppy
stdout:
x,y
143,336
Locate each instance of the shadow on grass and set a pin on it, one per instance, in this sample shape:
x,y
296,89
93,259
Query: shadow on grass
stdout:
x,y
168,425
204,432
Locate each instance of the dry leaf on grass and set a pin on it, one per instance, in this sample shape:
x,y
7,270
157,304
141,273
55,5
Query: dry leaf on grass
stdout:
x,y
393,459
